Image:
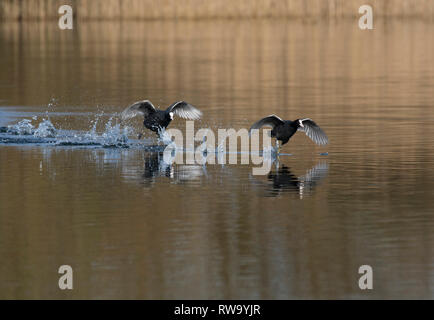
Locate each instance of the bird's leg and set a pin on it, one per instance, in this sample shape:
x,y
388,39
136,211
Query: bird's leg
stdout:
x,y
140,135
278,146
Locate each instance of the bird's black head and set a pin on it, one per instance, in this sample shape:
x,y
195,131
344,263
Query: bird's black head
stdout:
x,y
169,116
298,123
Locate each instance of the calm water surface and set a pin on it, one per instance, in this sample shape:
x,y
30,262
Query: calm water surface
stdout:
x,y
133,227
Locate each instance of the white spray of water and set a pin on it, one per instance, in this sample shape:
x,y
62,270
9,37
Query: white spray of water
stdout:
x,y
114,135
164,137
45,130
24,127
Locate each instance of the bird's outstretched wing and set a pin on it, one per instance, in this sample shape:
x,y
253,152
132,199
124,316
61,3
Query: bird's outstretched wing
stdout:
x,y
271,121
144,107
184,110
313,131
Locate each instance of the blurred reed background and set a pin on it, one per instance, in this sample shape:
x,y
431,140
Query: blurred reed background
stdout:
x,y
203,9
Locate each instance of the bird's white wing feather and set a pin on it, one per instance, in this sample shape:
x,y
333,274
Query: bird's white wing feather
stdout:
x,y
313,131
184,110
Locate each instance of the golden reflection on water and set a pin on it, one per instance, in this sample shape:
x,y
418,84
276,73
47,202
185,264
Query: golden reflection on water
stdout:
x,y
130,230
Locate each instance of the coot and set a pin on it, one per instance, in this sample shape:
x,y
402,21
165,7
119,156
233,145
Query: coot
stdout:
x,y
156,119
283,130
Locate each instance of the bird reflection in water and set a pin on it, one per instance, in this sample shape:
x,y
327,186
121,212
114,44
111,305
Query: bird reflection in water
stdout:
x,y
155,167
282,180
278,181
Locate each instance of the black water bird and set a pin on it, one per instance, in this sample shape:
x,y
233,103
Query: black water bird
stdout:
x,y
155,119
283,130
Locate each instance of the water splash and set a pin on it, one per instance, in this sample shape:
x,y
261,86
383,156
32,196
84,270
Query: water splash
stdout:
x,y
113,135
22,128
164,137
92,132
221,148
45,130
26,131
25,127
269,152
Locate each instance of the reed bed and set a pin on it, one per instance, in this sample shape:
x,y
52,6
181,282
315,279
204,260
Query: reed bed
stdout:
x,y
207,9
